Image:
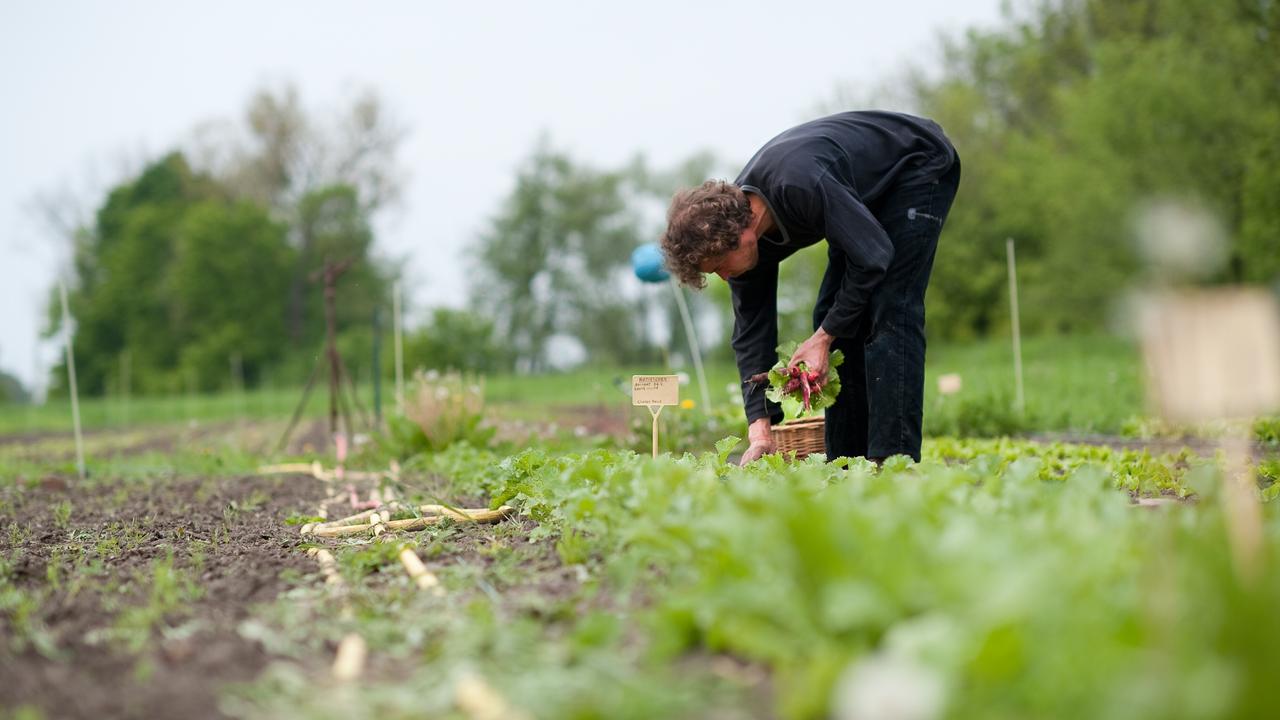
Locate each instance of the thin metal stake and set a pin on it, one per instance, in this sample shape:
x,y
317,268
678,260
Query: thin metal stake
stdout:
x,y
399,349
71,375
1020,401
377,366
237,386
691,334
126,363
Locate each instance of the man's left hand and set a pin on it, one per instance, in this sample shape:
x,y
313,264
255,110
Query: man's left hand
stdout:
x,y
815,353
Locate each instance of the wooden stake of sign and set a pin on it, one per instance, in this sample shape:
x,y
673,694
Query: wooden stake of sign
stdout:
x,y
71,376
655,411
1020,401
655,392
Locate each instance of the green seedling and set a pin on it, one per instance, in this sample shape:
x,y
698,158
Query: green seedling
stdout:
x,y
62,514
169,592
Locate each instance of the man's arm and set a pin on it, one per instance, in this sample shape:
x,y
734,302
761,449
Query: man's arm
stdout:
x,y
755,341
851,228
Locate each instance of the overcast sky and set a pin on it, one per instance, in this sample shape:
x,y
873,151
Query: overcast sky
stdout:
x,y
91,87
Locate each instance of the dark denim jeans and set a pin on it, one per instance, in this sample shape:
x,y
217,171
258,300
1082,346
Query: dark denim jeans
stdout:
x,y
880,410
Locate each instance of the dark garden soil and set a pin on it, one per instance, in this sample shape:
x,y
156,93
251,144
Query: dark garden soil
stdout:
x,y
80,649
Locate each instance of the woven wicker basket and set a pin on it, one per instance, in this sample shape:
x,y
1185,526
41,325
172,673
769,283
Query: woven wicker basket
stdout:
x,y
804,437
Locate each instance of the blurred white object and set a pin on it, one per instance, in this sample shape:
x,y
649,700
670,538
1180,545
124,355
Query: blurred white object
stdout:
x,y
886,687
949,384
1180,239
684,377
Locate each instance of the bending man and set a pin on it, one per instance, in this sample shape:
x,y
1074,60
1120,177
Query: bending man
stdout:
x,y
877,187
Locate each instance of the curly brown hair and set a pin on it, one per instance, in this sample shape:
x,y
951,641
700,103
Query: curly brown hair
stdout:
x,y
703,222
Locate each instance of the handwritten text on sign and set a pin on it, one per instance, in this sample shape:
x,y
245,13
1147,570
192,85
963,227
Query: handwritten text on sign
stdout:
x,y
655,390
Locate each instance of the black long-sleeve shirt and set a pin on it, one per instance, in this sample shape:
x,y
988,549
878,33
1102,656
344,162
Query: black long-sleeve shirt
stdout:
x,y
817,179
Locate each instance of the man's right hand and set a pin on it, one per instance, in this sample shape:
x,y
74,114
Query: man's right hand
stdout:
x,y
760,437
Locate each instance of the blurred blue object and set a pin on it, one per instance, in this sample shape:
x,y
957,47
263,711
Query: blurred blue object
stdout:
x,y
646,260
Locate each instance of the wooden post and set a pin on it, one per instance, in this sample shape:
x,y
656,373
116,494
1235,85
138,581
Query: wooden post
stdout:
x,y
399,349
189,394
237,386
71,377
331,345
37,370
126,362
1020,401
332,271
377,365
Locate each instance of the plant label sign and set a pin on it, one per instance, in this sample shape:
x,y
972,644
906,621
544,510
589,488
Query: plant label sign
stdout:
x,y
655,390
1212,354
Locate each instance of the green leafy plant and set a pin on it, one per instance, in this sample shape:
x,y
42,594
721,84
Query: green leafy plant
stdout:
x,y
62,513
440,409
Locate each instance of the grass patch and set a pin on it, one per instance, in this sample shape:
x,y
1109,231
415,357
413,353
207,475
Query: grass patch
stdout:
x,y
1086,383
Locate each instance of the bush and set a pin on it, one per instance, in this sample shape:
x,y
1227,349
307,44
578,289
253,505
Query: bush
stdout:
x,y
991,415
439,410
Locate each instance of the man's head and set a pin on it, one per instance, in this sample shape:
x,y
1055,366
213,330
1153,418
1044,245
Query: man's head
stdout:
x,y
709,230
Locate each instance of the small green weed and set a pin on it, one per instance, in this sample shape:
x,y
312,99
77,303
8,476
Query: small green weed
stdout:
x,y
169,591
62,514
367,559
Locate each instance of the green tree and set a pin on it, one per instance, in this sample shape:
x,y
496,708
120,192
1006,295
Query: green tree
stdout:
x,y
325,175
181,276
456,340
333,226
225,289
553,258
1071,115
116,293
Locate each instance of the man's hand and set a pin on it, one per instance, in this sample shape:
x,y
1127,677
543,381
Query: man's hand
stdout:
x,y
815,353
760,437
